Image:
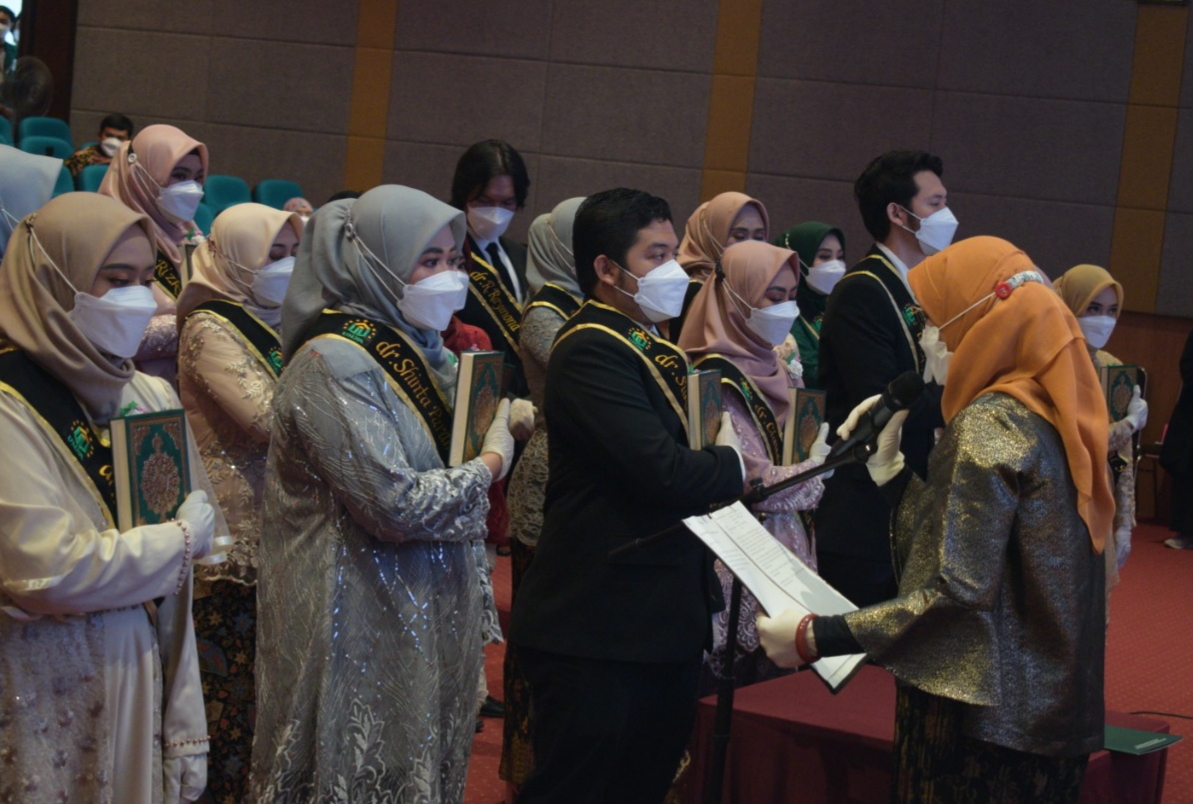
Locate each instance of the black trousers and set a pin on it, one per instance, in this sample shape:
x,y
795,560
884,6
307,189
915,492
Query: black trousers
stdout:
x,y
606,731
863,581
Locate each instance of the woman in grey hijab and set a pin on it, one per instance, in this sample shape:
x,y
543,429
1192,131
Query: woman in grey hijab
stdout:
x,y
369,598
26,185
551,270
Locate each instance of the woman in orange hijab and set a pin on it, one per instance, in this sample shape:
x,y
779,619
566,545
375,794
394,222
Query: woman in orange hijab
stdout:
x,y
997,636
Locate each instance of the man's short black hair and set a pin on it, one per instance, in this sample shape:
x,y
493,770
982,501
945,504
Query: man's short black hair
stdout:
x,y
608,223
118,122
342,194
890,177
483,162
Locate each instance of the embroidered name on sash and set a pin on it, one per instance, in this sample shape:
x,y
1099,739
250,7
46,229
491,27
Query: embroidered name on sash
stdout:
x,y
405,368
760,411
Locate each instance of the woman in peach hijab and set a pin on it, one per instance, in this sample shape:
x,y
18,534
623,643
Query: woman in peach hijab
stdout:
x,y
727,219
229,360
997,637
160,173
740,313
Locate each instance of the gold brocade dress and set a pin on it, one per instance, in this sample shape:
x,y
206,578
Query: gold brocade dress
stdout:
x,y
998,633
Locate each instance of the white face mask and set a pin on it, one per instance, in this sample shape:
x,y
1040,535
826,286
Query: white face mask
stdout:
x,y
270,283
489,223
936,355
115,322
110,146
180,200
661,292
429,303
824,277
936,231
1097,329
771,324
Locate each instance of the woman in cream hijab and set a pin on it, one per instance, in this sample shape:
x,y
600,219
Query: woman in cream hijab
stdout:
x,y
229,359
26,182
1093,295
997,637
95,623
160,173
369,589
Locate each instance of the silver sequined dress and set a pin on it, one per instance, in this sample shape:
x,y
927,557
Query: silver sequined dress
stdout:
x,y
369,603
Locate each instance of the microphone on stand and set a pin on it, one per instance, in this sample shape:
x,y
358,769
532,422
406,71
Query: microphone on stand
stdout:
x,y
901,394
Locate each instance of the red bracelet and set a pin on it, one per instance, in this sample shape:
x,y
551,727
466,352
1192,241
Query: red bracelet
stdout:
x,y
801,640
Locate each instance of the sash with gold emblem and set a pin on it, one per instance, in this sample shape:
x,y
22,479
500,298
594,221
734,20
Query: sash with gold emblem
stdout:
x,y
166,274
500,308
404,365
667,362
760,410
876,266
555,298
58,412
262,339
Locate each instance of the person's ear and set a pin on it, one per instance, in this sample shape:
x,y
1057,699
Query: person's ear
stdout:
x,y
606,270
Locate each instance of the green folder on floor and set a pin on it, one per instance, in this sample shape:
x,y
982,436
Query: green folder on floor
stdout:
x,y
1136,742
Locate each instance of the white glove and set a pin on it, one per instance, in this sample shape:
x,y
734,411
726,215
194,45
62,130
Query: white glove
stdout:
x,y
777,637
1136,411
498,439
185,777
727,437
1122,544
820,450
521,419
198,514
887,460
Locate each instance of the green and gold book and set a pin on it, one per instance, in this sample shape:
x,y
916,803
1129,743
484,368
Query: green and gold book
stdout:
x,y
704,408
478,392
151,464
1118,384
803,424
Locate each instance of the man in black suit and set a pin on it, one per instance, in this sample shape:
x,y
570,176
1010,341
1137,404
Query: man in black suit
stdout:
x,y
490,185
870,335
612,647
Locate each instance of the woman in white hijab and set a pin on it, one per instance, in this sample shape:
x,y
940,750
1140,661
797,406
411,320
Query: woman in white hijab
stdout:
x,y
369,598
98,664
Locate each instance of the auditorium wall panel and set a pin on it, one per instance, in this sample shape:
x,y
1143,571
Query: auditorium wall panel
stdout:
x,y
450,99
1041,113
1046,50
851,42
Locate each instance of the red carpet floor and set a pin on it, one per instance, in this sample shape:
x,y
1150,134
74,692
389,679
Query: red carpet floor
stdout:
x,y
1149,660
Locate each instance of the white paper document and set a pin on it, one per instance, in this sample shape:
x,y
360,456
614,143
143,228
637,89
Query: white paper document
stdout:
x,y
775,576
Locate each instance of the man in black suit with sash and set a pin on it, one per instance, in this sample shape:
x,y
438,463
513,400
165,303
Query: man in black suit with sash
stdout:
x,y
490,185
612,647
870,335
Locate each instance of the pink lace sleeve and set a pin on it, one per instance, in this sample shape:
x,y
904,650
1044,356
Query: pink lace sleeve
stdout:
x,y
800,498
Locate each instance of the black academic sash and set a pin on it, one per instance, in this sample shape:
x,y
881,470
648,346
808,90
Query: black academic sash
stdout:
x,y
58,412
760,409
877,267
553,297
166,274
486,289
667,362
261,338
404,365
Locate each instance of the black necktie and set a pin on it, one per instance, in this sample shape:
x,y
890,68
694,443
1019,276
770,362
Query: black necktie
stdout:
x,y
500,266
